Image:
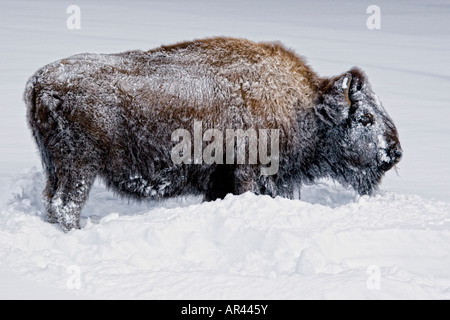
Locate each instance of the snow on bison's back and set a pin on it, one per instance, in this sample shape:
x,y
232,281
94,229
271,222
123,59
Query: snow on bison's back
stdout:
x,y
118,116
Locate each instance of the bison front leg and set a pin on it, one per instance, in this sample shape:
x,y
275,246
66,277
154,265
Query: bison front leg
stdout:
x,y
71,194
245,179
233,179
221,183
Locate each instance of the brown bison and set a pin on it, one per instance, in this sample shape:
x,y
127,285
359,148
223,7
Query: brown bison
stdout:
x,y
119,116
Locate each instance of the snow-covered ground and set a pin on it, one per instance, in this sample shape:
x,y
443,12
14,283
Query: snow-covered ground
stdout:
x,y
330,244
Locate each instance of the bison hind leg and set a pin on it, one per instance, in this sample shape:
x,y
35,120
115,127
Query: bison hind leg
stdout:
x,y
71,194
51,182
48,194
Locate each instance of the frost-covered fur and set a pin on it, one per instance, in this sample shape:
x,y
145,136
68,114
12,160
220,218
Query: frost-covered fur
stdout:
x,y
112,115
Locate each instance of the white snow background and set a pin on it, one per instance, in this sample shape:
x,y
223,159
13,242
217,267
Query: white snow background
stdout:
x,y
330,244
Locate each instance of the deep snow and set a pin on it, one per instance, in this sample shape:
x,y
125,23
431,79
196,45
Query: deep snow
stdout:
x,y
243,246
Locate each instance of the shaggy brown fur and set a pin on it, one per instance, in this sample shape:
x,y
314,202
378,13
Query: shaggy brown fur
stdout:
x,y
113,115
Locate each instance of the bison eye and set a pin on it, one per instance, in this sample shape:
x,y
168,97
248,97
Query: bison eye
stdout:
x,y
359,86
366,119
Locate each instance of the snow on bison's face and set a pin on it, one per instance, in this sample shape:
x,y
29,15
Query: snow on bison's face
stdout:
x,y
361,139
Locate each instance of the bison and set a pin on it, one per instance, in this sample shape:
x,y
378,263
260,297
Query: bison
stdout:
x,y
114,116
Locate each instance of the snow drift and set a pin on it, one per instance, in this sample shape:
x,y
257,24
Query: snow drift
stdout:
x,y
242,247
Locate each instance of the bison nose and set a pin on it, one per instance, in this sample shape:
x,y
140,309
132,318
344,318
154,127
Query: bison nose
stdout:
x,y
398,154
395,154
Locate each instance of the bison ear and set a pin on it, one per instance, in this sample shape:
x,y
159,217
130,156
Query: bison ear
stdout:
x,y
356,84
335,96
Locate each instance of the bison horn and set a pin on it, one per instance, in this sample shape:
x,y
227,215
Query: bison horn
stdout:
x,y
346,87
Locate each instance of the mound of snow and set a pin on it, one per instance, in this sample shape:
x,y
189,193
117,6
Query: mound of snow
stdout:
x,y
241,247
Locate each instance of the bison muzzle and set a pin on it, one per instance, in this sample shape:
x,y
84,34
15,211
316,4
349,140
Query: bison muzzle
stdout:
x,y
114,115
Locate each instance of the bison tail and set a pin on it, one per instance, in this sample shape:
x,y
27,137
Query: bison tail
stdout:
x,y
31,100
29,96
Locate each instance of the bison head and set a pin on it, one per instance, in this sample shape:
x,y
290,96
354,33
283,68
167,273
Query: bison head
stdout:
x,y
360,139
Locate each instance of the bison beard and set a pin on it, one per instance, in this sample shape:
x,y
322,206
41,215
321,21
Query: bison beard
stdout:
x,y
112,116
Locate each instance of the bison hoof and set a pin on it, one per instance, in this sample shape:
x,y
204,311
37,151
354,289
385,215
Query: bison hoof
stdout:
x,y
51,219
69,226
